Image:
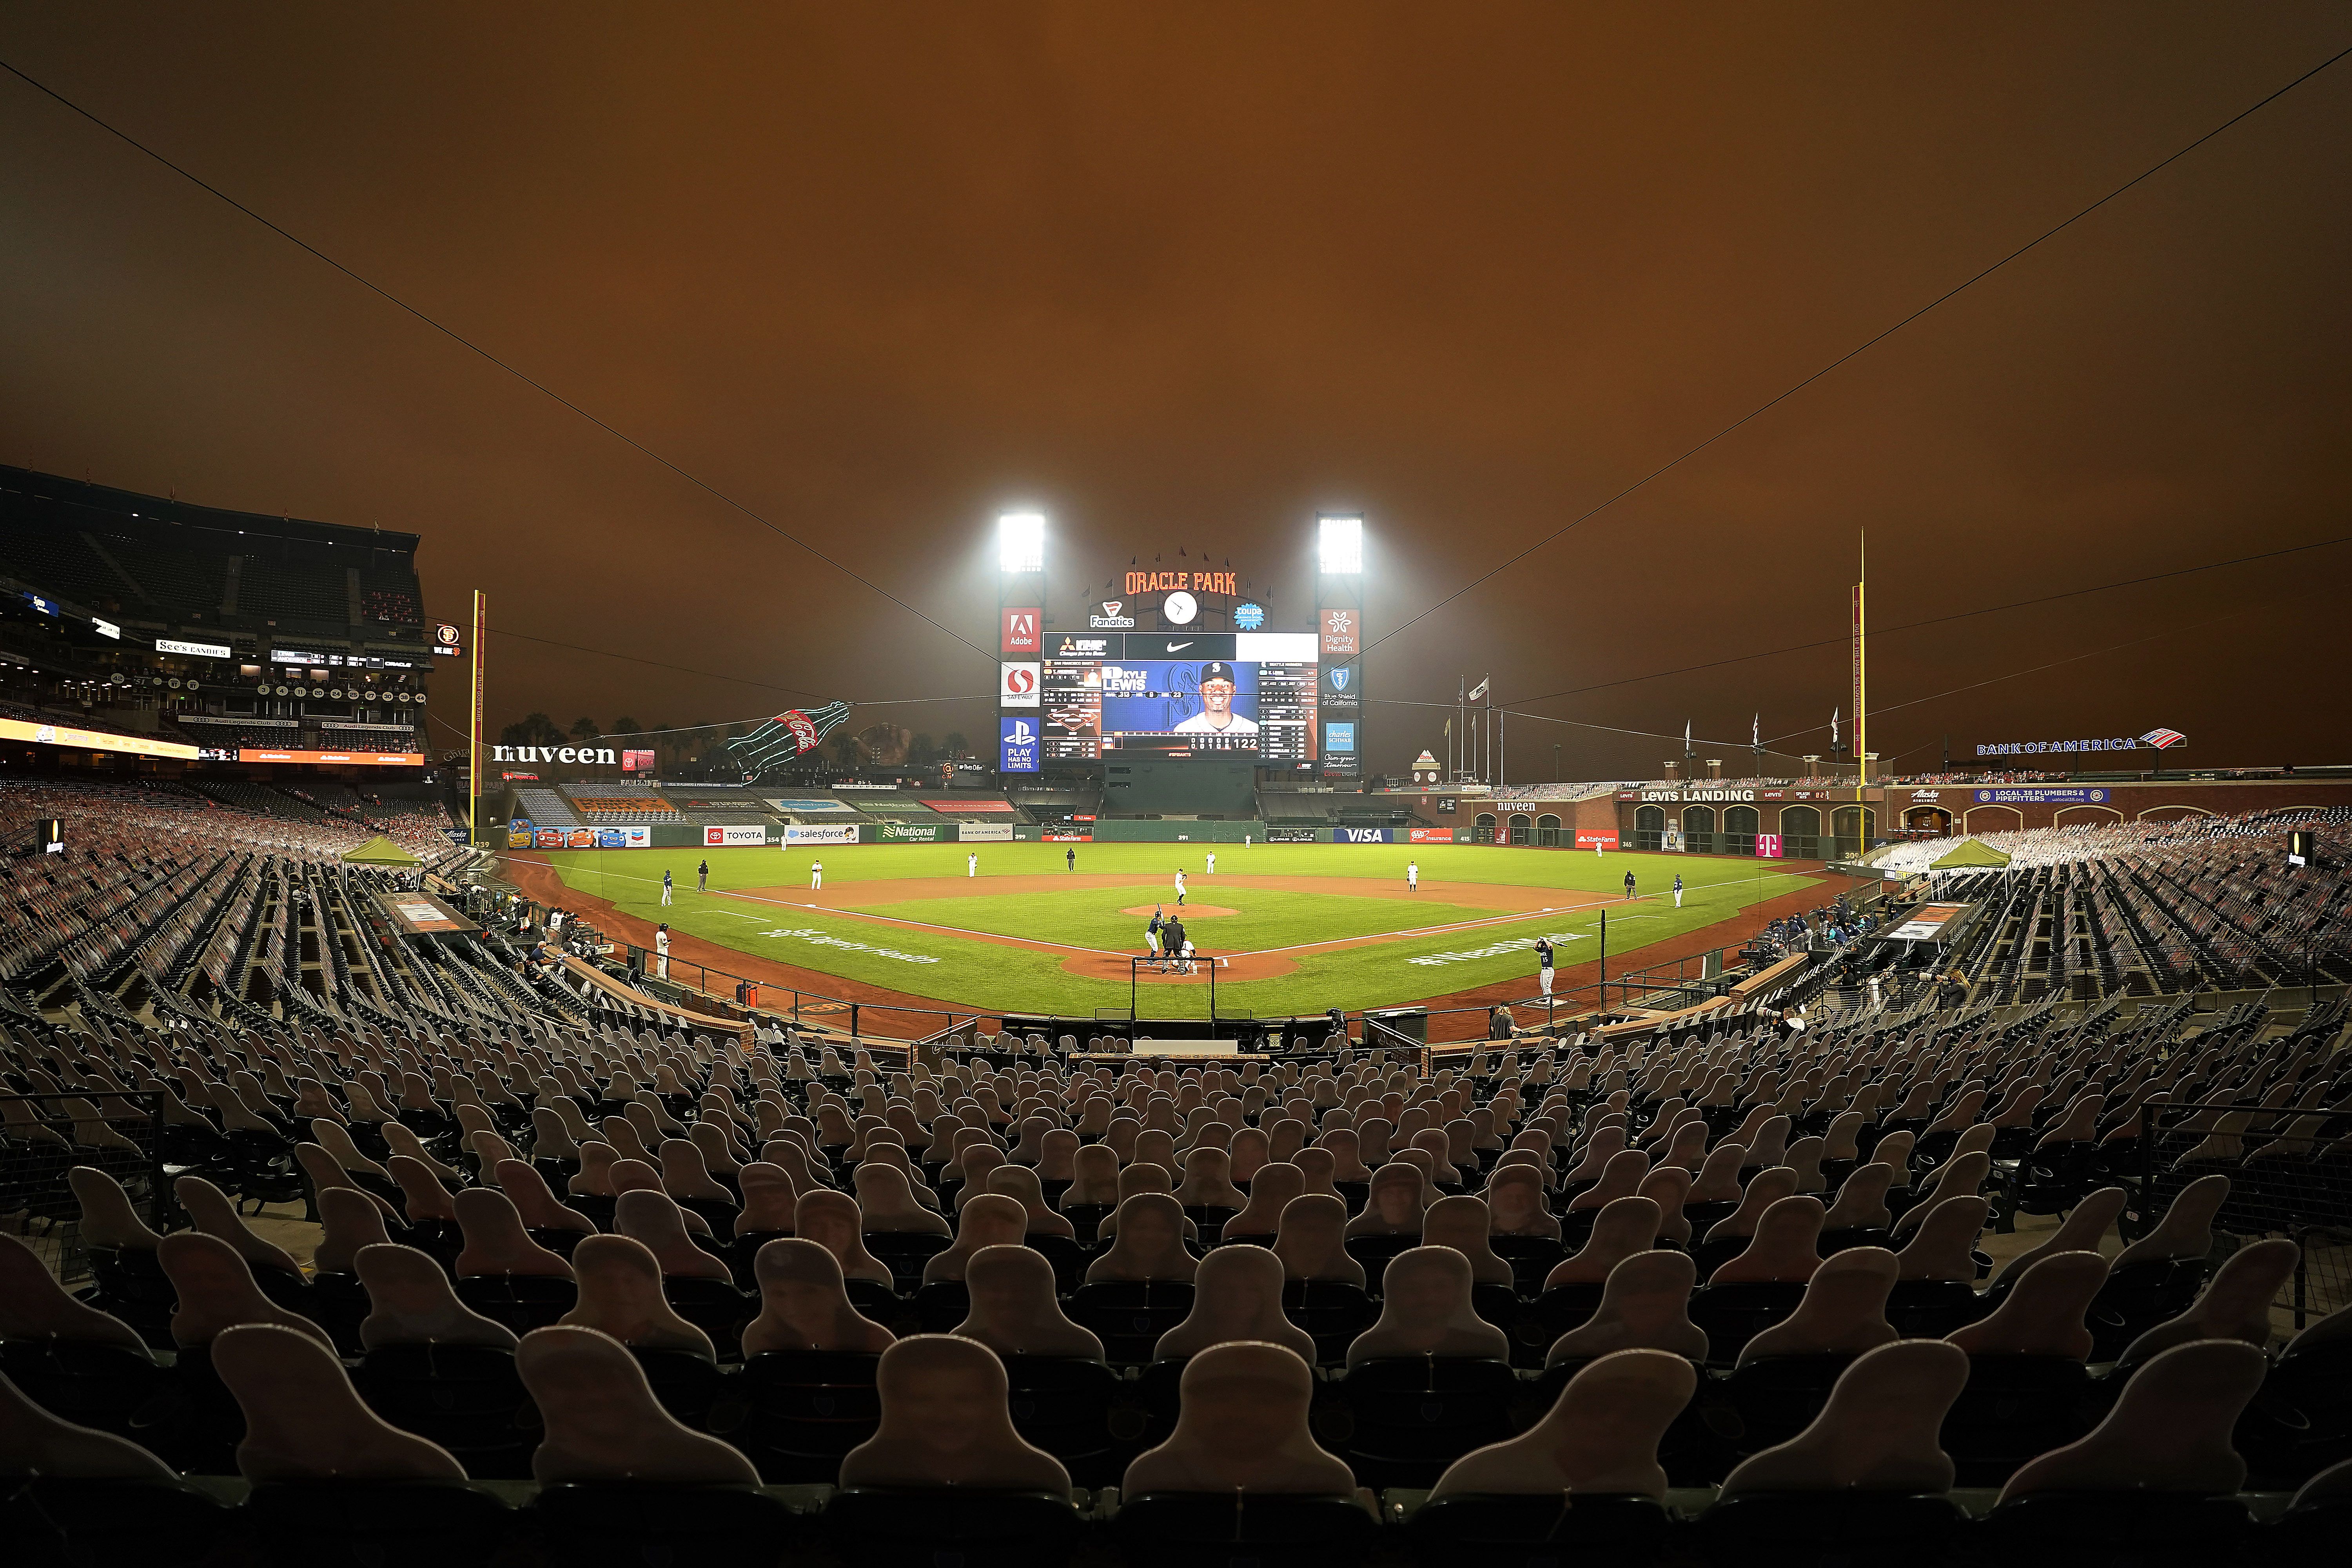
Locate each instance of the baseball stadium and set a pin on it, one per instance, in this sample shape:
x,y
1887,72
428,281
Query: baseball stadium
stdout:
x,y
1597,817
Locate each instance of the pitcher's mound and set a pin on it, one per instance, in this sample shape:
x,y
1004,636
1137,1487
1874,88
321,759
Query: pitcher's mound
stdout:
x,y
1143,911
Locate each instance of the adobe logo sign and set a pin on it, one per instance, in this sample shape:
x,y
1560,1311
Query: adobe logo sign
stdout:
x,y
1019,685
1025,631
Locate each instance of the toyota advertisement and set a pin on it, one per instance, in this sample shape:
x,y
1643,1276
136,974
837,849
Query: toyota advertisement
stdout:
x,y
722,838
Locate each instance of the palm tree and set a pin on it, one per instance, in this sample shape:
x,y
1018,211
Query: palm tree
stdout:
x,y
957,744
583,728
625,726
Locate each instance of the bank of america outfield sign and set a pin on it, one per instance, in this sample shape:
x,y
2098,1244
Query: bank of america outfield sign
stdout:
x,y
2156,740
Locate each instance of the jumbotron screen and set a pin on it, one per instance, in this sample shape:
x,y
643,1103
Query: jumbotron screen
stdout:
x,y
1169,692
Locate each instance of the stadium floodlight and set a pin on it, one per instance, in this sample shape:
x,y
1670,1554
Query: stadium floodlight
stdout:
x,y
1020,541
1342,543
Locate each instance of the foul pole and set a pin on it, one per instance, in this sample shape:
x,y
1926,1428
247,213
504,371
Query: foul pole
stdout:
x,y
1861,669
474,723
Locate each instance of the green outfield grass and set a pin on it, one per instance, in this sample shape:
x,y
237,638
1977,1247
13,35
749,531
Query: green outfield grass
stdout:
x,y
921,948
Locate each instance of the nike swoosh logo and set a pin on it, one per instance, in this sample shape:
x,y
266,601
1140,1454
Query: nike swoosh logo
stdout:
x,y
1177,647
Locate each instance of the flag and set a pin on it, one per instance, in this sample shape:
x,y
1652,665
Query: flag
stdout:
x,y
1478,692
1833,723
1755,731
1687,745
1449,729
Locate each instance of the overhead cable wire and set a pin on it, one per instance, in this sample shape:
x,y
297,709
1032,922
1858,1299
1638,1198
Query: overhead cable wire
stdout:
x,y
462,341
1866,345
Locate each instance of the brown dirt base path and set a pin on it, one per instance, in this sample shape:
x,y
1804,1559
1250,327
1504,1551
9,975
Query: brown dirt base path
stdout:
x,y
540,882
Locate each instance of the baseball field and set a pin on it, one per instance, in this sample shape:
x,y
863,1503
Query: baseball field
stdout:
x,y
1292,928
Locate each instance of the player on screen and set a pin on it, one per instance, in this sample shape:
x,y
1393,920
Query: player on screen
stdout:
x,y
1217,716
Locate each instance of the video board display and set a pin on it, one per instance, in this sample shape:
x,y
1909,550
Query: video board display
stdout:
x,y
1174,693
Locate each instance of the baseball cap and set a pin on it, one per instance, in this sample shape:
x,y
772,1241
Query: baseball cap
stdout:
x,y
1218,669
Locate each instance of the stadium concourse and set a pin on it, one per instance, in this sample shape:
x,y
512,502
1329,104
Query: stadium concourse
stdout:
x,y
473,1247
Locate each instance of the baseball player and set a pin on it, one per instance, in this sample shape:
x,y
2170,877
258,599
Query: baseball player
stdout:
x,y
1069,859
1179,890
661,951
666,888
817,875
702,878
971,864
1151,935
1678,890
1413,876
1596,851
1629,884
1213,862
1544,962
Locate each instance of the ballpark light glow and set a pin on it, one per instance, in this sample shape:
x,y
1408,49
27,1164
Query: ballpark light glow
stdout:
x,y
1342,543
1020,541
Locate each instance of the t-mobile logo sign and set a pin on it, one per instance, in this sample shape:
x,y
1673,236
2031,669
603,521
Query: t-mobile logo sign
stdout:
x,y
1025,631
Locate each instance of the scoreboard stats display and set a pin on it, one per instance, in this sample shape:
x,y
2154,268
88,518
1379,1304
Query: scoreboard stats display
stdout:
x,y
1176,693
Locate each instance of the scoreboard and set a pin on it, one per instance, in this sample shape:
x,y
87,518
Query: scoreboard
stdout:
x,y
1172,693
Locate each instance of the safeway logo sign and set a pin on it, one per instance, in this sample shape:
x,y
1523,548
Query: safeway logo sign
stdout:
x,y
1019,685
1025,631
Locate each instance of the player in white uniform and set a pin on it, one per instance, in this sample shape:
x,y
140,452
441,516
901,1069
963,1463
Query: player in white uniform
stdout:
x,y
1678,890
1180,889
661,951
665,887
971,864
1413,876
1213,862
817,875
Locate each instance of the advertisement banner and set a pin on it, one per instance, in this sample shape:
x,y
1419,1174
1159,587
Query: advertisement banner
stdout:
x,y
1768,846
637,762
550,838
792,806
1025,631
1429,836
2062,796
905,833
1017,745
580,838
96,740
984,832
718,837
365,759
830,833
1020,684
519,837
1596,837
967,805
1363,836
638,837
1294,835
1069,838
1341,636
611,838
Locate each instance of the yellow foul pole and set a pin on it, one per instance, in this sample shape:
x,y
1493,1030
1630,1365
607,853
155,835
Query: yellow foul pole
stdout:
x,y
474,725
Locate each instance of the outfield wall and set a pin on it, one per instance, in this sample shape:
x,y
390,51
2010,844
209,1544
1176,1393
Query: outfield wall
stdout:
x,y
1162,831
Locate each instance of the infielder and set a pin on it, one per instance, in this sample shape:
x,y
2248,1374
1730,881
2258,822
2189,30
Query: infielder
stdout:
x,y
1213,862
666,888
1413,876
1678,890
971,864
817,875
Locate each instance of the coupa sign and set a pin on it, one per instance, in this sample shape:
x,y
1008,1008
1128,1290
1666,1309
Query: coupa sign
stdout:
x,y
604,756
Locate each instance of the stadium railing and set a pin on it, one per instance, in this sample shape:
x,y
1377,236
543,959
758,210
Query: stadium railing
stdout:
x,y
41,1140
2285,1181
